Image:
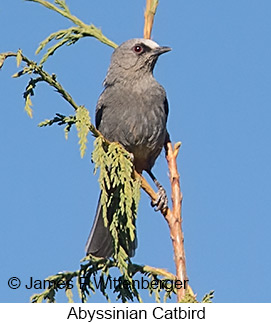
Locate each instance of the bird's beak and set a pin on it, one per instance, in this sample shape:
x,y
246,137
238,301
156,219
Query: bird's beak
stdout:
x,y
160,50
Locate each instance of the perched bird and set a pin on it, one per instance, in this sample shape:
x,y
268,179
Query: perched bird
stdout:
x,y
132,110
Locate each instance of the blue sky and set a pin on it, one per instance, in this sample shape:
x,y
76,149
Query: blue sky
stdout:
x,y
218,82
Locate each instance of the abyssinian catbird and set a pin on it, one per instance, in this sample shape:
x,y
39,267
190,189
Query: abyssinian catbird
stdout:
x,y
132,110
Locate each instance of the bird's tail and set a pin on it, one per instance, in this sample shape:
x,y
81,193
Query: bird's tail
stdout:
x,y
100,242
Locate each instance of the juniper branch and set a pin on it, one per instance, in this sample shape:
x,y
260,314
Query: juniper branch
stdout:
x,y
87,30
92,267
34,68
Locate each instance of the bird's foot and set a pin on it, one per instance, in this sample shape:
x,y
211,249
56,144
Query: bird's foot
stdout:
x,y
161,203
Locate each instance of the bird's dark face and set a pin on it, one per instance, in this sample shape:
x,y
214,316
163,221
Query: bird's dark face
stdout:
x,y
137,55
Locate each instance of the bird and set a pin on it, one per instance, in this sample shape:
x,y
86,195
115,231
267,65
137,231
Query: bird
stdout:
x,y
132,110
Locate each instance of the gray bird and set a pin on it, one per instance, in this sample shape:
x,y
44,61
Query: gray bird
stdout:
x,y
131,110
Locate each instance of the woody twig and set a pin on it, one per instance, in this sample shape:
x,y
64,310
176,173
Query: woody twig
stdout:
x,y
174,216
150,10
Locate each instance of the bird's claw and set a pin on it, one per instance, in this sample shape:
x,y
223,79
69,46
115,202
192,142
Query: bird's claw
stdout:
x,y
161,202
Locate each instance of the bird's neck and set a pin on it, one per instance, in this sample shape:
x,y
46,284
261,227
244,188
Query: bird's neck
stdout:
x,y
132,76
134,80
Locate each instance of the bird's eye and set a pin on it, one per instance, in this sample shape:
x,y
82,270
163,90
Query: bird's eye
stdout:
x,y
138,49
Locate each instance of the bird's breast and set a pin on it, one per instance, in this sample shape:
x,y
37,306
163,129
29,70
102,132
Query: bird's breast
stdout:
x,y
138,121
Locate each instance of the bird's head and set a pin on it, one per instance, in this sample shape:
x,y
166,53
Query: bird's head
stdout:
x,y
133,58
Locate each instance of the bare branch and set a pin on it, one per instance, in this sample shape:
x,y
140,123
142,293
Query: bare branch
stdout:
x,y
174,218
151,6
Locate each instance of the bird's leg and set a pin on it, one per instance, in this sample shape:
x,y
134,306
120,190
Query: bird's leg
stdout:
x,y
162,200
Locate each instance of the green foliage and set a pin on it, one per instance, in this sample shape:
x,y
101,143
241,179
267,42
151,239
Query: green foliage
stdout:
x,y
19,58
28,104
71,35
3,57
95,275
208,297
82,124
191,298
28,93
55,283
60,120
120,194
68,36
